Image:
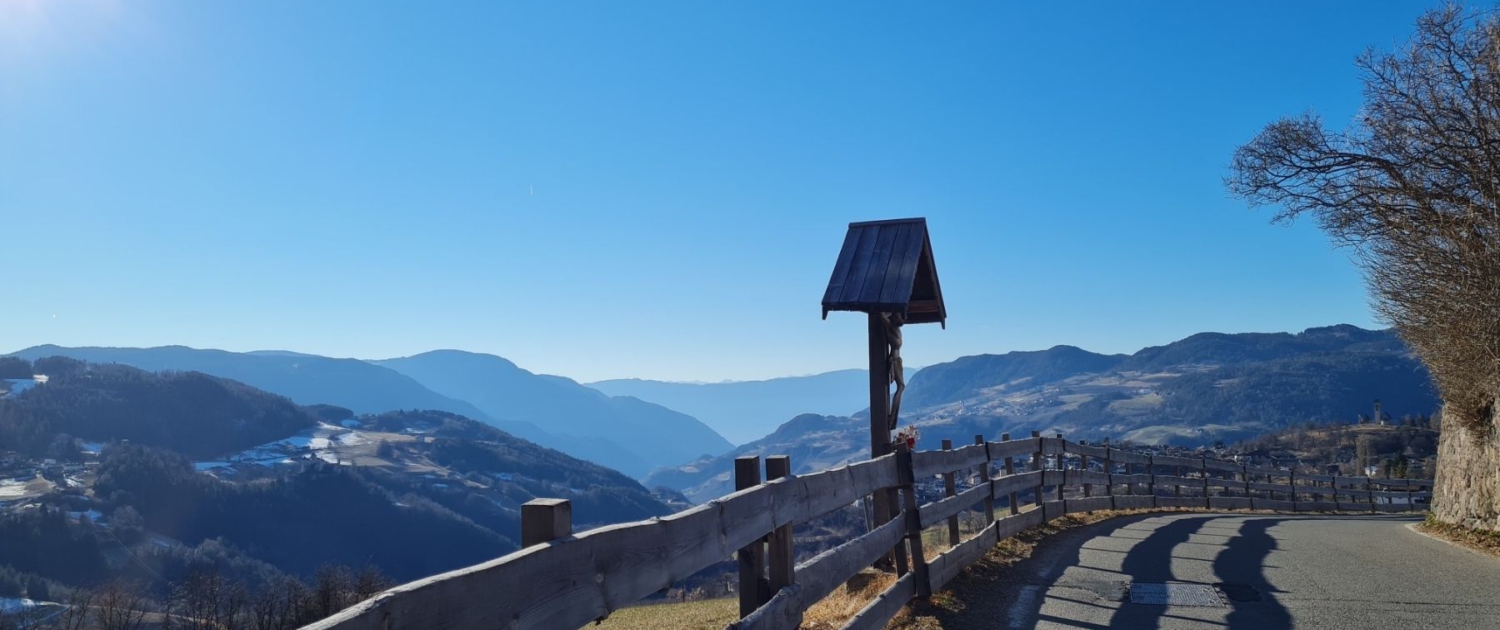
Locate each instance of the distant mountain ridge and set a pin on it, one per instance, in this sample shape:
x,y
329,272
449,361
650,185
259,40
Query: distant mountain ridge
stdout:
x,y
745,411
624,428
307,379
629,435
1203,388
201,458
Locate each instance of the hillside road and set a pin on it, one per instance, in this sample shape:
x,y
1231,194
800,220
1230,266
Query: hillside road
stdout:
x,y
1261,572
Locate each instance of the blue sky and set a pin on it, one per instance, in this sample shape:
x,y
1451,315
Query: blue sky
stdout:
x,y
654,189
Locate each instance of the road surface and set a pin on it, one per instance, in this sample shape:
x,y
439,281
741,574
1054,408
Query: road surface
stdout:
x,y
1262,572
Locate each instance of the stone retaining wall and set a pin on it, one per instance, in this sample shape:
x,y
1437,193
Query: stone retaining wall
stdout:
x,y
1467,489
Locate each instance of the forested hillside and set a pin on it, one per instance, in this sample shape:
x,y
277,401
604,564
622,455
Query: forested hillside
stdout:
x,y
188,412
109,473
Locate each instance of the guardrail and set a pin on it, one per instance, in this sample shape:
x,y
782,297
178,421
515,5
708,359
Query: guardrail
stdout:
x,y
563,581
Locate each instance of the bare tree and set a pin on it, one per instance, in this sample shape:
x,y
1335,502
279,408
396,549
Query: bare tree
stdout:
x,y
1413,186
119,606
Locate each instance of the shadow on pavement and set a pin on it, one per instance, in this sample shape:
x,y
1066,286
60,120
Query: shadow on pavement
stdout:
x,y
1241,569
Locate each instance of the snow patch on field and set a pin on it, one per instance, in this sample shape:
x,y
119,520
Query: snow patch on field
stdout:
x,y
16,604
11,489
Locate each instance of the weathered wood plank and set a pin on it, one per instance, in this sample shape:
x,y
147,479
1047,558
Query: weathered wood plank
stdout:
x,y
1170,480
1053,509
1168,460
783,612
949,564
1052,446
1221,465
1270,487
1086,449
1258,503
800,498
1229,503
1012,448
1220,482
1080,477
879,611
1317,506
1052,477
1177,501
938,511
1016,483
1127,457
1310,477
1403,483
1135,502
1268,472
1017,523
1137,478
822,574
928,463
1090,504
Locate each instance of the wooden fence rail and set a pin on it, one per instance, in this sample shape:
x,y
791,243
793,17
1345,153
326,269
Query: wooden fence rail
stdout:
x,y
562,580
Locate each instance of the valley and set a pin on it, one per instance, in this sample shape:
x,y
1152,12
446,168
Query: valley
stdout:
x,y
166,472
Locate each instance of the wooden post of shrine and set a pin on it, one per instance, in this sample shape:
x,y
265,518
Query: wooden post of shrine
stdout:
x,y
885,269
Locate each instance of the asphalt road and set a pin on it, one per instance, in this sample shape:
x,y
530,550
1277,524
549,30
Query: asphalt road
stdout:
x,y
1269,571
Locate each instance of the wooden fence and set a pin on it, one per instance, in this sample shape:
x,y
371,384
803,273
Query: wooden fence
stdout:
x,y
564,581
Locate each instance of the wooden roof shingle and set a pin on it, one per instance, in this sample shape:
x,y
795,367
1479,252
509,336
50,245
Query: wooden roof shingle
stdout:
x,y
887,267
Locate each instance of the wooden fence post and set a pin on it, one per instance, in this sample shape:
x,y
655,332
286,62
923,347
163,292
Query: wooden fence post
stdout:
x,y
1083,465
1061,465
1370,492
752,558
1109,472
1177,487
1036,464
1151,470
782,559
1245,475
1010,469
545,520
984,478
1337,507
1291,482
905,477
950,489
1206,501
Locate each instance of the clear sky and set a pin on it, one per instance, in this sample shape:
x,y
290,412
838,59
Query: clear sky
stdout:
x,y
654,189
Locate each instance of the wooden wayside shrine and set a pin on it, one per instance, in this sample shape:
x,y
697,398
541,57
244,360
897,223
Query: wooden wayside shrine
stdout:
x,y
886,270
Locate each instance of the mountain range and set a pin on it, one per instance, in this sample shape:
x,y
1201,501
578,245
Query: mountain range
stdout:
x,y
743,411
623,433
193,458
1204,388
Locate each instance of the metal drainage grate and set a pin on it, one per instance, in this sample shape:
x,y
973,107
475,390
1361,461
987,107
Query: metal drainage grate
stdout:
x,y
1174,594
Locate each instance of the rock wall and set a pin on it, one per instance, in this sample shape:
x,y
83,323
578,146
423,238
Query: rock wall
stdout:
x,y
1467,489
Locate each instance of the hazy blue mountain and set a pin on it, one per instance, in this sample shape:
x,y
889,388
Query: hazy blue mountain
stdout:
x,y
814,442
306,379
649,432
744,411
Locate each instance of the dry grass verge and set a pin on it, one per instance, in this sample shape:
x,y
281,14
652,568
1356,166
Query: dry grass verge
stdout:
x,y
1481,540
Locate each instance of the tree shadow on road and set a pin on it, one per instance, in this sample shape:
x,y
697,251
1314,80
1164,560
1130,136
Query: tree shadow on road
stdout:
x,y
1241,569
1150,560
